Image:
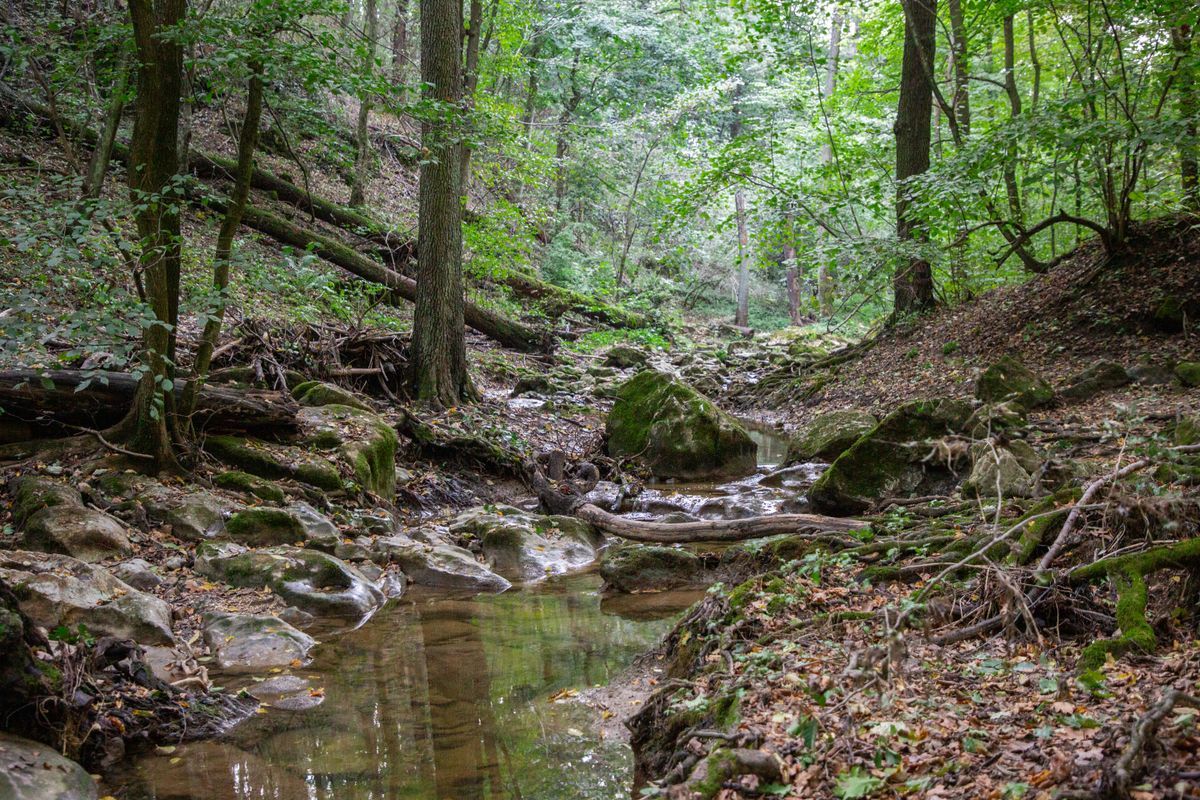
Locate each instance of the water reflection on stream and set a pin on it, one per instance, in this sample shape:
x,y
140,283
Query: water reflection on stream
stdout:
x,y
435,699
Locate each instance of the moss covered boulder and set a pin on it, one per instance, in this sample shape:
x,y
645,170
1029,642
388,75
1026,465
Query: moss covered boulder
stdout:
x,y
53,519
676,431
829,435
638,568
316,393
893,459
624,356
1010,380
1188,373
263,527
275,461
362,440
250,485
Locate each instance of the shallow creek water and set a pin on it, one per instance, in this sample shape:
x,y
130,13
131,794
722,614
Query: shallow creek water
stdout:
x,y
439,697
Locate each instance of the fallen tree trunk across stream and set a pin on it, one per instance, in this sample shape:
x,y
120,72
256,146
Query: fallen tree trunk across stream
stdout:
x,y
721,530
94,399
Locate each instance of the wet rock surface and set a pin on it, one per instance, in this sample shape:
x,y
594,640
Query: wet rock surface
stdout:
x,y
33,771
255,642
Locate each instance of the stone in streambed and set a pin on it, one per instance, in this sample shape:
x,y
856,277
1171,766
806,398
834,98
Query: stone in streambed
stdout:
x,y
251,485
441,566
829,435
676,431
254,642
54,519
525,547
639,568
33,771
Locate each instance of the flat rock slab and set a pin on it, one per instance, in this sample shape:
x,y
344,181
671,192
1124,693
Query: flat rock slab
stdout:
x,y
32,771
249,642
440,566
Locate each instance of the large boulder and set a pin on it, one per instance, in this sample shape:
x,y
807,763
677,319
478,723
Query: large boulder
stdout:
x,y
438,565
32,771
997,472
624,356
1099,377
55,520
639,568
362,440
57,590
677,431
263,527
312,581
1010,380
254,642
1188,373
899,456
275,461
197,516
829,435
527,547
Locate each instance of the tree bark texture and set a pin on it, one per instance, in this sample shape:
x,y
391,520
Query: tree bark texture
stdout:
x,y
400,50
362,137
1188,102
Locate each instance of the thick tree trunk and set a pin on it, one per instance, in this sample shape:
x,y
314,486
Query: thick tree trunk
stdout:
x,y
362,135
247,141
96,399
101,154
1188,102
153,166
438,356
912,283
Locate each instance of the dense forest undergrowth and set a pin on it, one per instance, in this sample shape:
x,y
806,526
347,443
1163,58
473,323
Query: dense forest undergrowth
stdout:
x,y
371,335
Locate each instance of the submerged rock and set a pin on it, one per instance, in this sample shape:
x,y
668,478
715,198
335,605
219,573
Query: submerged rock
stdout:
x,y
308,579
525,547
829,435
676,431
33,771
639,568
1010,380
898,457
56,590
252,642
441,566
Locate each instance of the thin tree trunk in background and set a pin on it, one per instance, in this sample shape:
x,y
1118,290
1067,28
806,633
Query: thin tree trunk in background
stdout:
x,y
98,164
742,317
1014,104
1188,103
470,82
438,354
1034,61
362,137
222,257
531,89
400,50
825,287
793,273
154,163
912,282
959,59
560,145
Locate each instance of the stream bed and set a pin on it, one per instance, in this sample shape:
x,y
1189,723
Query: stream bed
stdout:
x,y
436,698
441,697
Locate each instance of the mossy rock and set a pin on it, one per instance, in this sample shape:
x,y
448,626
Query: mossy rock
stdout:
x,y
634,568
248,484
623,356
1100,377
830,435
889,461
1188,373
676,431
365,442
992,418
315,393
31,494
274,461
263,527
534,383
1010,380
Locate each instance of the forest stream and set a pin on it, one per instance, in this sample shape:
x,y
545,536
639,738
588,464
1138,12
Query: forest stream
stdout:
x,y
440,695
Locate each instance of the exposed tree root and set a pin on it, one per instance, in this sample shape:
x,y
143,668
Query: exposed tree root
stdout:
x,y
724,764
1118,779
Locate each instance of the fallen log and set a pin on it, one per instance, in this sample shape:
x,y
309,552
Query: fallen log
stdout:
x,y
75,398
507,332
721,530
557,301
